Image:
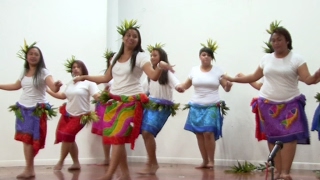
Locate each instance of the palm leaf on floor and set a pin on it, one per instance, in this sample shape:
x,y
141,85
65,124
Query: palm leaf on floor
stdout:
x,y
246,167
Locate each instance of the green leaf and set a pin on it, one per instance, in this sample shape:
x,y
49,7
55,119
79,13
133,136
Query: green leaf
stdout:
x,y
273,25
211,45
246,167
125,25
69,63
157,45
89,118
24,49
317,96
108,54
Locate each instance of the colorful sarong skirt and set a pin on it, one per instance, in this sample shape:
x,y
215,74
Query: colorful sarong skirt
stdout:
x,y
97,127
203,119
123,117
30,128
260,132
282,121
154,120
68,126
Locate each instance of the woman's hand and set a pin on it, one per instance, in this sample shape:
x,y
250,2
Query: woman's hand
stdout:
x,y
166,66
228,86
58,84
240,75
78,78
226,77
179,88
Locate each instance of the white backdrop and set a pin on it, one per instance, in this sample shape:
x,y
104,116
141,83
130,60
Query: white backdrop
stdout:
x,y
85,29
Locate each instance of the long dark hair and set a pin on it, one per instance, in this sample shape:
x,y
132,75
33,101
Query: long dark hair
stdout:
x,y
163,79
109,60
84,70
41,65
136,50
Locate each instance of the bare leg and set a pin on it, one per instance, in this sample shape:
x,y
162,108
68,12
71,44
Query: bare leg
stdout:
x,y
65,149
106,150
29,157
125,174
152,163
202,148
287,155
74,153
118,152
210,145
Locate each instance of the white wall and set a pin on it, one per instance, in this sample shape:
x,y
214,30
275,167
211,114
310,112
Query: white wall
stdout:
x,y
61,28
239,28
80,28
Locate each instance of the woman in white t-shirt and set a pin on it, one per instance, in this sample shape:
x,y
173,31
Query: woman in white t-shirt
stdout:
x,y
75,113
30,110
205,108
126,108
280,103
160,96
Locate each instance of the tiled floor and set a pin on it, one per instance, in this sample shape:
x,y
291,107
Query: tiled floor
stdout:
x,y
165,172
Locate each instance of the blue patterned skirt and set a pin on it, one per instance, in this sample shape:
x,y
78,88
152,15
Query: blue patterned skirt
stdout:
x,y
154,120
203,119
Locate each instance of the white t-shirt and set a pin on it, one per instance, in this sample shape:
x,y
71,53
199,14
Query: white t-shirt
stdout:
x,y
126,82
157,90
206,85
108,85
30,94
280,77
78,96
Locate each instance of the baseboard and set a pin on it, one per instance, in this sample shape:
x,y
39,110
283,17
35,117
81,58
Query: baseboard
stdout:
x,y
167,160
47,162
221,162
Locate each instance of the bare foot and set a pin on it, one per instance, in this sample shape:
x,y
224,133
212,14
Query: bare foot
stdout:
x,y
105,178
149,169
74,167
26,174
202,166
124,177
285,177
58,166
210,165
104,163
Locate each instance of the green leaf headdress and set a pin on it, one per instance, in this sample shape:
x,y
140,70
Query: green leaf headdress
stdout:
x,y
23,51
157,45
211,45
125,25
69,64
273,25
108,54
317,96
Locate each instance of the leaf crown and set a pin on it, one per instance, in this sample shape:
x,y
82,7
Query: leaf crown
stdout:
x,y
24,49
211,45
125,25
157,45
69,62
272,27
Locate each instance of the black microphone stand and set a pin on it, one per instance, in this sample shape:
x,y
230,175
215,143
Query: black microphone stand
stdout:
x,y
272,168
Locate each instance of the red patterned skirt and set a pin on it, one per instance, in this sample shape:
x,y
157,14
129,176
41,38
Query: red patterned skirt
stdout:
x,y
68,126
